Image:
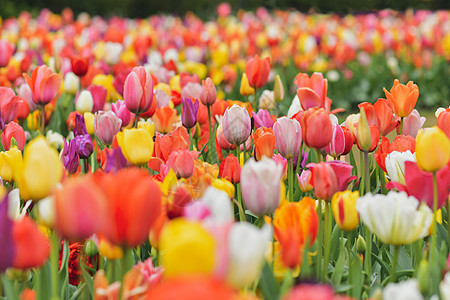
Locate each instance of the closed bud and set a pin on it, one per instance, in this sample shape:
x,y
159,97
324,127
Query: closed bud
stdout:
x,y
278,90
84,102
363,132
90,248
423,276
246,89
360,244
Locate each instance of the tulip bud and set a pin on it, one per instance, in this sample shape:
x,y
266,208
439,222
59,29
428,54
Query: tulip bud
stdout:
x,y
337,145
84,102
71,83
208,94
278,89
106,125
360,244
316,127
288,136
304,181
138,90
69,156
257,71
266,100
230,169
246,89
189,112
363,135
432,149
423,277
90,248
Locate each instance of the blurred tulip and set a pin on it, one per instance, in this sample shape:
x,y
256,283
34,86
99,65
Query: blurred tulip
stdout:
x,y
138,90
54,139
222,141
121,110
337,145
294,224
112,53
182,163
78,206
230,169
317,130
80,65
208,94
311,92
432,149
84,102
189,112
265,142
266,100
8,160
304,181
98,95
343,205
257,71
71,83
324,180
236,125
69,156
89,122
402,98
225,186
44,84
164,119
412,123
405,290
278,89
404,221
136,145
443,122
261,183
9,104
24,91
106,126
288,134
6,51
13,130
246,89
180,238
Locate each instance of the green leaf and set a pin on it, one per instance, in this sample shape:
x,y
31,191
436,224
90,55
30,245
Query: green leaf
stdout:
x,y
340,263
87,279
357,277
63,273
269,285
9,290
100,144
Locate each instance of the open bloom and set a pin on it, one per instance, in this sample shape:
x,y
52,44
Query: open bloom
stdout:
x,y
288,136
312,92
401,143
395,164
136,145
44,84
402,98
138,90
395,218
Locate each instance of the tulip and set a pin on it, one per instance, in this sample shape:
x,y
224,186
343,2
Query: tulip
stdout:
x,y
106,126
121,110
8,160
115,161
6,51
69,156
2,123
351,123
443,122
324,180
266,100
401,143
78,206
343,205
245,266
138,91
317,130
189,112
257,71
412,123
222,141
305,291
13,130
246,89
405,290
386,122
402,98
99,96
265,142
164,119
180,238
236,125
337,145
278,89
9,104
71,83
294,224
348,140
343,171
182,163
208,94
219,205
136,145
370,112
304,181
6,238
288,137
84,102
311,92
395,165
230,169
80,65
261,183
24,91
112,53
44,84
225,186
262,119
129,213
89,122
363,135
432,149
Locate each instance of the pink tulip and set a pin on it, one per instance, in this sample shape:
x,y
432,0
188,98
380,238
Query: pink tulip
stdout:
x,y
236,125
6,51
343,173
8,104
337,145
304,181
208,94
138,90
324,180
121,110
288,136
182,163
412,123
106,125
443,122
222,141
44,84
312,92
13,130
98,93
24,91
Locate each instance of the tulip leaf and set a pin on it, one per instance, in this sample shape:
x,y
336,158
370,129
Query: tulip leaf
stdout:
x,y
64,273
340,263
100,144
88,279
10,291
356,277
269,286
335,242
41,282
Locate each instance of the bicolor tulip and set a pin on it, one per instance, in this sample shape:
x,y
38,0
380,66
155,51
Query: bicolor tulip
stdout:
x,y
257,71
208,94
343,205
136,145
230,169
338,142
40,170
106,126
138,90
294,224
164,119
304,181
121,110
412,123
245,88
323,179
236,125
402,98
312,92
130,212
13,130
401,143
395,218
44,84
221,140
288,136
9,104
189,112
265,142
443,122
6,51
317,130
261,184
432,149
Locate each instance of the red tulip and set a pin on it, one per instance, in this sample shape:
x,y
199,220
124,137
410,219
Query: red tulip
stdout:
x,y
337,145
257,71
80,65
230,169
401,143
348,137
312,92
99,94
316,126
324,180
13,130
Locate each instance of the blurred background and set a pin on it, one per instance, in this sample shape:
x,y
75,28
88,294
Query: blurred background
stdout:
x,y
206,8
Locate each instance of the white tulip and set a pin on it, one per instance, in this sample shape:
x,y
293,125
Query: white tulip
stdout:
x,y
405,290
112,53
219,205
71,83
14,211
55,139
84,102
395,164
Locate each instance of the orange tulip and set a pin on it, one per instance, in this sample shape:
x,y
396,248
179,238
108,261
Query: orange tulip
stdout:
x,y
130,212
164,119
402,98
386,122
264,142
257,71
294,224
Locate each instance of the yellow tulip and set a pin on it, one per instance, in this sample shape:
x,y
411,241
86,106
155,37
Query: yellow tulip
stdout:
x,y
196,68
175,83
40,170
432,149
363,132
106,81
89,120
278,89
224,185
136,145
147,126
181,239
109,250
33,120
343,205
8,160
246,89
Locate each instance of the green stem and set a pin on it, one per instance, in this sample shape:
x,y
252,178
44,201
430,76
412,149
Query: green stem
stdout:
x,y
43,120
394,263
1,285
190,139
290,180
136,120
320,240
319,155
366,172
348,244
86,165
368,253
273,245
238,187
327,238
299,159
401,126
255,100
93,162
434,234
55,265
210,130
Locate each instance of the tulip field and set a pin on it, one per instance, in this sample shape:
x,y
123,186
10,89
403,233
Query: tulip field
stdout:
x,y
255,155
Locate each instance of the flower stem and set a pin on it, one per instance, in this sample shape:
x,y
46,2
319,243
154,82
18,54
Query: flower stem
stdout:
x,y
55,265
290,180
368,253
210,130
434,233
136,120
401,125
327,238
394,263
43,120
190,139
238,188
366,172
255,100
299,159
320,240
319,155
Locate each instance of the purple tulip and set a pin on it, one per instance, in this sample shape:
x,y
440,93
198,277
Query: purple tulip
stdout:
x,y
80,125
189,112
262,119
84,145
6,239
115,161
69,156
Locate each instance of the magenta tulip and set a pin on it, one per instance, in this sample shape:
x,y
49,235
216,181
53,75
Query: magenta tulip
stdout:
x,y
288,136
121,110
343,173
98,93
106,125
